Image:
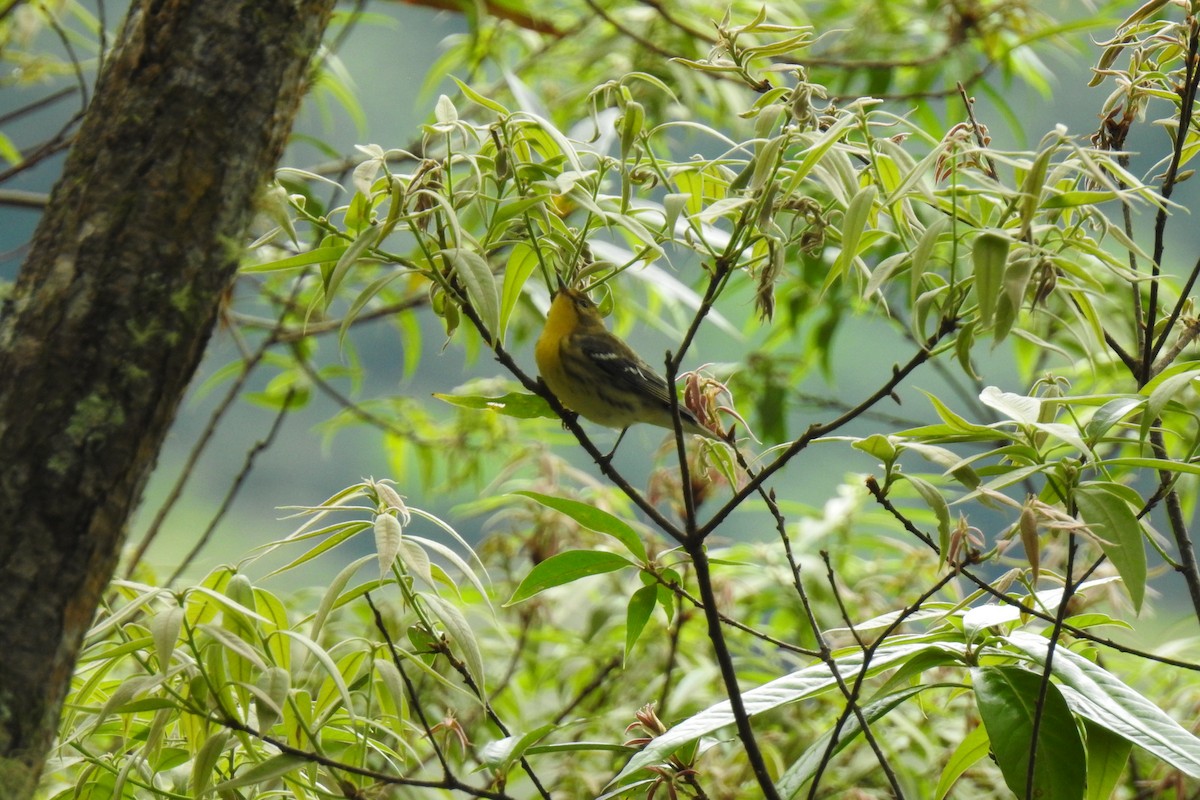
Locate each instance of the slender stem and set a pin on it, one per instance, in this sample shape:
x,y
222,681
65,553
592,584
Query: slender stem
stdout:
x,y
816,430
877,492
1179,529
695,549
234,488
1184,299
1039,707
1186,107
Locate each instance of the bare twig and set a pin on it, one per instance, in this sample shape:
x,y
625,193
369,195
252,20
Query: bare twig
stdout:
x,y
1186,109
234,488
877,492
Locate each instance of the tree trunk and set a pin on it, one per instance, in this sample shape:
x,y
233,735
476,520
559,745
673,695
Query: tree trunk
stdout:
x,y
111,312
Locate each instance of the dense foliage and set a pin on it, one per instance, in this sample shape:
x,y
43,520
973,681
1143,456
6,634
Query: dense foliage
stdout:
x,y
965,616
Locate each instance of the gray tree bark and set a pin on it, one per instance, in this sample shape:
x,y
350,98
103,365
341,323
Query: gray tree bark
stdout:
x,y
112,309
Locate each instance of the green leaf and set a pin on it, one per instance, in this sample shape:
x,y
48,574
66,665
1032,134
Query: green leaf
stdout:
x,y
514,404
501,755
1107,755
476,97
1120,532
637,614
365,241
1017,407
319,255
1077,198
521,263
593,519
1007,698
565,568
989,254
459,630
877,445
803,769
330,668
799,685
272,768
858,211
934,499
1108,415
480,285
970,751
206,760
1097,695
1161,391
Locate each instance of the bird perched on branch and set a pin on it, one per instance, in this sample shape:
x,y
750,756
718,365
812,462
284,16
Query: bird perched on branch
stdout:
x,y
596,375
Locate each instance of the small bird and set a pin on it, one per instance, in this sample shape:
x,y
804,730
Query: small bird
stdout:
x,y
598,376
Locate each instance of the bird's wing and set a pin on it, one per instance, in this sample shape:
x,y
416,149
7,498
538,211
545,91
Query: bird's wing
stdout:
x,y
623,367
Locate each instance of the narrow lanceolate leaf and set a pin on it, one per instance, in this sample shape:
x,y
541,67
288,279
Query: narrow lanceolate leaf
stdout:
x,y
799,685
459,631
637,614
593,519
1107,755
388,534
1161,391
564,568
930,494
989,255
1099,696
802,771
357,249
1120,532
477,280
205,761
165,627
521,263
971,749
268,770
858,211
1007,698
514,404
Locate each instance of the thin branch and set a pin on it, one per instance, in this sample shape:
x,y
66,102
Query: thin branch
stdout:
x,y
37,105
695,548
1190,332
817,430
696,602
50,147
969,103
852,698
413,697
465,675
235,487
22,199
599,680
861,676
1179,528
877,492
1184,299
1039,707
65,40
1186,109
628,32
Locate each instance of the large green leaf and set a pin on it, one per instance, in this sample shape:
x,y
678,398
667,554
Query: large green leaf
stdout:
x,y
799,685
565,568
1008,698
1120,532
593,519
1097,695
